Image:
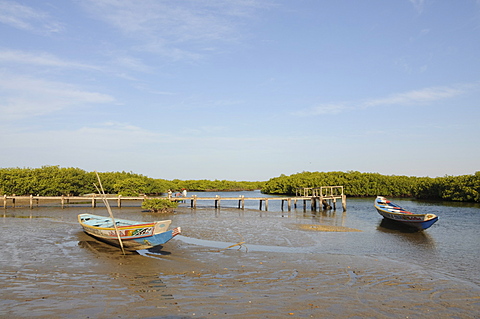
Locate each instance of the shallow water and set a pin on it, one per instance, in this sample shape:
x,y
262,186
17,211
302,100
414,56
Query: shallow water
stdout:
x,y
50,268
451,246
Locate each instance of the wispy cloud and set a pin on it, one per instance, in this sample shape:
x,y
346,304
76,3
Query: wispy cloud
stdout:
x,y
112,144
420,96
179,29
27,18
132,63
40,59
415,97
28,97
418,5
411,65
322,109
118,133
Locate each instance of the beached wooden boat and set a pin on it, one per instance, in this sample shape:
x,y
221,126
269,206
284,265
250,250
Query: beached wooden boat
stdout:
x,y
396,213
134,235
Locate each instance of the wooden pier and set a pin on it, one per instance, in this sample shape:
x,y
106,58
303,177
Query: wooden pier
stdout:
x,y
325,197
66,201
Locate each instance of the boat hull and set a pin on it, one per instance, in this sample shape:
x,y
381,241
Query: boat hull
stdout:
x,y
134,235
397,214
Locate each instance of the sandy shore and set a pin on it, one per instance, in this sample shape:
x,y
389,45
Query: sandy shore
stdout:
x,y
190,281
265,285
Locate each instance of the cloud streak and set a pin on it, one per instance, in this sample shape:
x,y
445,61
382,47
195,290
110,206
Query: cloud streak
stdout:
x,y
40,59
322,109
418,5
415,97
179,29
419,96
27,18
29,97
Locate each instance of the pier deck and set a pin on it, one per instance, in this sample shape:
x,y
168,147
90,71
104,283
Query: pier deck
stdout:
x,y
316,197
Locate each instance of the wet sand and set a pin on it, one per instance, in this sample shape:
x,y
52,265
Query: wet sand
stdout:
x,y
60,272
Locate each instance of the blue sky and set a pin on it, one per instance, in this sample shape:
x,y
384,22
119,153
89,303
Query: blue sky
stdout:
x,y
241,89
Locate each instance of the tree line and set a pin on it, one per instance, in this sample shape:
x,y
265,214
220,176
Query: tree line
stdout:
x,y
57,181
465,188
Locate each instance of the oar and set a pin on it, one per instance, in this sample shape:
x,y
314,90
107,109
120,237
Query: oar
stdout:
x,y
104,198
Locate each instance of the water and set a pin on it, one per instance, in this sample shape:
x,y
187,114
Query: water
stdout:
x,y
451,246
49,267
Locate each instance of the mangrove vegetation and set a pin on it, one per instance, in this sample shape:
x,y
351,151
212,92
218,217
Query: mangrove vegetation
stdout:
x,y
159,205
464,188
57,181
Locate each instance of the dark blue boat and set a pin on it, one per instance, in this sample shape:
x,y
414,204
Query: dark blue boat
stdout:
x,y
396,213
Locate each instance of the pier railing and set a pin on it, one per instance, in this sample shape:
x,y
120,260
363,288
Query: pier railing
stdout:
x,y
325,196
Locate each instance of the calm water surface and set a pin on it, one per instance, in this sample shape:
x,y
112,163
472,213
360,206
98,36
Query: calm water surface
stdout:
x,y
451,247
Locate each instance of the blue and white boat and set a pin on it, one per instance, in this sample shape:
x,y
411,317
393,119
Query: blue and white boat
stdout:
x,y
396,213
134,235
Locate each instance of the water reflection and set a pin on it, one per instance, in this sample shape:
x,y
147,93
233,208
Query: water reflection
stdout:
x,y
13,215
407,235
101,248
392,225
327,217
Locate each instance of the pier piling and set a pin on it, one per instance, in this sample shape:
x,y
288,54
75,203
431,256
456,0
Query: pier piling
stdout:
x,y
325,197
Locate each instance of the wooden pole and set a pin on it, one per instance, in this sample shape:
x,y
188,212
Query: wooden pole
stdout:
x,y
104,197
241,202
31,201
